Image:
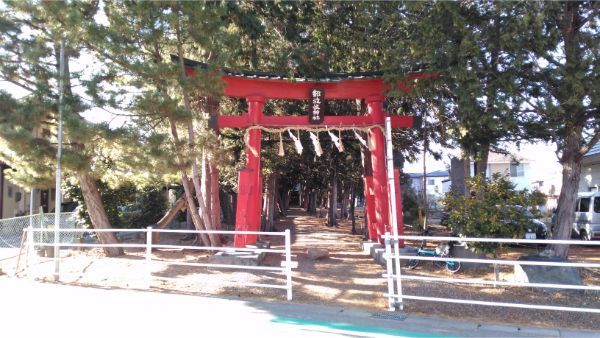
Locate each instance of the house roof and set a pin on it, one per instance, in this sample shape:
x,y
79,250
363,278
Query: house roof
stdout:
x,y
437,173
595,150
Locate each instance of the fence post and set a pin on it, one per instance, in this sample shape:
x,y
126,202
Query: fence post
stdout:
x,y
149,255
30,249
288,263
398,275
390,272
56,247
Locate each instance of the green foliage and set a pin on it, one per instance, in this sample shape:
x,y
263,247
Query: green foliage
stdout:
x,y
126,206
470,45
410,201
538,198
148,206
494,209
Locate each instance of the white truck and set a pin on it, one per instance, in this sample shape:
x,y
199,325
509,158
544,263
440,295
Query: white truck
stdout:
x,y
587,215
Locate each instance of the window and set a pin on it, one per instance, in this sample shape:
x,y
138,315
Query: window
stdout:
x,y
597,205
517,170
584,204
430,182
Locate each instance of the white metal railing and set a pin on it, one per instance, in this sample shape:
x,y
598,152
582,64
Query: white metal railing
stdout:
x,y
396,295
150,260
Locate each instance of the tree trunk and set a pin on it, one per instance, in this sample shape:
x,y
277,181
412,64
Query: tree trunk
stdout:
x,y
269,207
284,202
227,206
467,169
306,198
93,203
570,25
171,213
203,213
205,185
169,216
205,217
344,204
333,201
234,206
352,202
312,202
571,172
189,195
457,176
482,160
215,203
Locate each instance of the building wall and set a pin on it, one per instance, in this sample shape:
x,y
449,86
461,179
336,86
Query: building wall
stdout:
x,y
16,200
500,168
437,187
590,177
520,182
417,183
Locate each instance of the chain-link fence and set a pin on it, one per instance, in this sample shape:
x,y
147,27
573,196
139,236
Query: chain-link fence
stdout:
x,y
11,229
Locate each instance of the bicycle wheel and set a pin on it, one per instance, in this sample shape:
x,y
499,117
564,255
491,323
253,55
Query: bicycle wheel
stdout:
x,y
412,263
439,264
452,266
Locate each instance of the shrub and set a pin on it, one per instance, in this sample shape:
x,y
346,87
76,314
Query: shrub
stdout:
x,y
493,209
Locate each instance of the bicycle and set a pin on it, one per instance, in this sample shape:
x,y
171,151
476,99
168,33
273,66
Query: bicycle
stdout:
x,y
442,250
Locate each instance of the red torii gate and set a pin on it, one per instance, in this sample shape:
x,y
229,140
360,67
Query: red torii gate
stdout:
x,y
257,87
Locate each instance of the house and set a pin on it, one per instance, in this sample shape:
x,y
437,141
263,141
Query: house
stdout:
x,y
434,184
543,174
15,200
518,169
590,170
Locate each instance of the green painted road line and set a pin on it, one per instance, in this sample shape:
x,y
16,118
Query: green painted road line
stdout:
x,y
354,328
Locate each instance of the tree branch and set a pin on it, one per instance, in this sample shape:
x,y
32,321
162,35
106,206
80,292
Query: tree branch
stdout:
x,y
583,150
31,90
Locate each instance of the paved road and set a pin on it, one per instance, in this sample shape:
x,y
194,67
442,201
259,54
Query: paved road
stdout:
x,y
32,309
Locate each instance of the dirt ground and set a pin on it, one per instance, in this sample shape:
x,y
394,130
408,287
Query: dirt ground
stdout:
x,y
347,278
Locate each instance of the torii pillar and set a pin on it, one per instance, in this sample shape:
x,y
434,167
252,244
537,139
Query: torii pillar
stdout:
x,y
250,181
377,149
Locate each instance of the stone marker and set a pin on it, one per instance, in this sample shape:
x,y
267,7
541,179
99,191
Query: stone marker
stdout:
x,y
316,253
546,274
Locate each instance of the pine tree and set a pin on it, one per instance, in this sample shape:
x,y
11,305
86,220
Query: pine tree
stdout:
x,y
136,44
31,35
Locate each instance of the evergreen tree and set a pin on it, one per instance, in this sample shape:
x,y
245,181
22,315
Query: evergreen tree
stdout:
x,y
31,33
559,44
470,46
136,44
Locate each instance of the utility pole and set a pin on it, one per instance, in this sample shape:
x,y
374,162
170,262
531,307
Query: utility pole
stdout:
x,y
58,195
425,147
